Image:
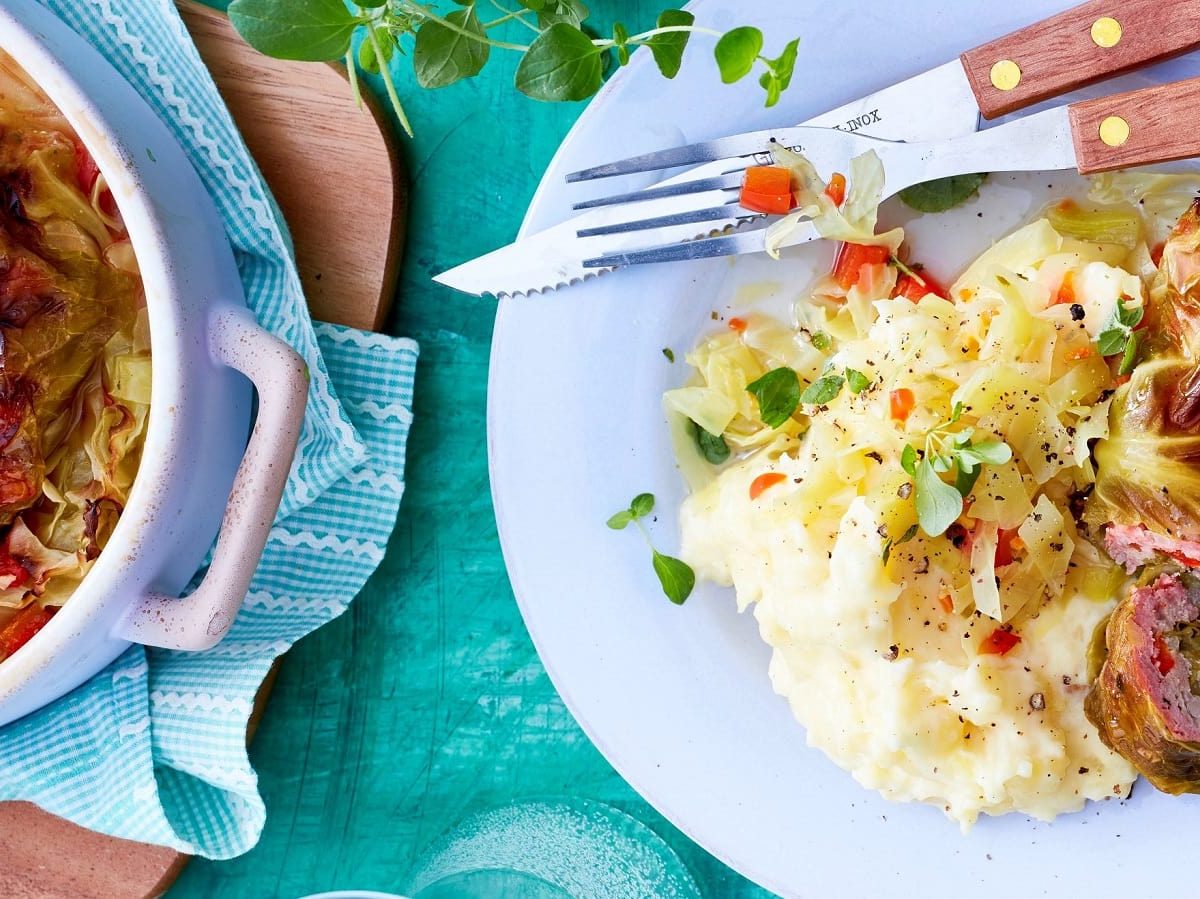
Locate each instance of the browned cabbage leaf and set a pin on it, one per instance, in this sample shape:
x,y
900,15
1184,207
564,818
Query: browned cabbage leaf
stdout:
x,y
1144,700
74,353
1149,466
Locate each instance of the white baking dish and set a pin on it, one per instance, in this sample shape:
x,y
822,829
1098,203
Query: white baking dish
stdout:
x,y
198,474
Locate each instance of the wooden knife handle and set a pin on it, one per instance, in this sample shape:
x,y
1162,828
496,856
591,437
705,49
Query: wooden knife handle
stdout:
x,y
1087,43
1142,127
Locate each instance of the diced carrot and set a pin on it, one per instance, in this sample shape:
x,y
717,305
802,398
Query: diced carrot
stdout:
x,y
851,258
765,482
768,179
999,642
1122,379
901,402
737,324
836,189
768,189
1066,290
946,601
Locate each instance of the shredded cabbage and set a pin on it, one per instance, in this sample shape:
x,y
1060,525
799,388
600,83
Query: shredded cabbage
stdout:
x,y
853,222
75,384
1005,358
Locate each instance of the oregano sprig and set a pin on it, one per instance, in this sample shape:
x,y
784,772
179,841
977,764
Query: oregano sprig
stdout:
x,y
564,59
1119,336
675,576
938,503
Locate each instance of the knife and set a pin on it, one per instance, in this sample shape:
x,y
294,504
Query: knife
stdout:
x,y
1088,43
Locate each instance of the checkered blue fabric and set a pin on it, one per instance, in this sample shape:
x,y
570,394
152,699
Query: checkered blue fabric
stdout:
x,y
154,747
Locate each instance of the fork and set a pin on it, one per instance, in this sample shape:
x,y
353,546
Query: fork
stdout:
x,y
1135,128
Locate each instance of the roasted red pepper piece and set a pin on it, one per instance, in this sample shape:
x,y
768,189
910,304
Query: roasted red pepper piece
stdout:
x,y
22,627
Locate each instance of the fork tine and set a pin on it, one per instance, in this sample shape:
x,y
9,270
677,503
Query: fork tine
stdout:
x,y
725,245
748,144
729,181
729,212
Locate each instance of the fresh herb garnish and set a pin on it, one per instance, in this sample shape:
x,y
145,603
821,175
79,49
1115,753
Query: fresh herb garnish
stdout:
x,y
821,340
822,390
942,193
1129,357
712,447
778,395
938,503
563,61
675,576
669,353
857,381
1118,335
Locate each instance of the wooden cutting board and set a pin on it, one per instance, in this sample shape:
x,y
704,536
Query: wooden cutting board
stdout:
x,y
303,128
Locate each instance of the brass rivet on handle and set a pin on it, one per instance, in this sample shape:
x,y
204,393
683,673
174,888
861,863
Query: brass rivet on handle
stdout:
x,y
1006,75
1114,131
1106,32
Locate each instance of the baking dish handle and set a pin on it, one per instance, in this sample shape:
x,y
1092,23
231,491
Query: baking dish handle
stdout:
x,y
200,620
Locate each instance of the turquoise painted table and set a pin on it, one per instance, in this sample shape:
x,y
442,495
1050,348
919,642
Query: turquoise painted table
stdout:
x,y
426,701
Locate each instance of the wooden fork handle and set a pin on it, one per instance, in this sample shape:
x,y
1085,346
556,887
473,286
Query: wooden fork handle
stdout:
x,y
1142,127
1087,43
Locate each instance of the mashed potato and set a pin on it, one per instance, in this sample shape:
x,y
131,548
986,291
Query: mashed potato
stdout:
x,y
888,684
946,667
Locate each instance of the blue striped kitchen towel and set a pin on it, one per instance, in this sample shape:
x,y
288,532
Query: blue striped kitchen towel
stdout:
x,y
154,747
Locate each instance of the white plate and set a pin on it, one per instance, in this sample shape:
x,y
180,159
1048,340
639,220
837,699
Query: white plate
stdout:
x,y
678,699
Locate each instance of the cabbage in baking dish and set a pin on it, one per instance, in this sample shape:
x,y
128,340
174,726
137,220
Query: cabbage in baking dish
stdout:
x,y
74,360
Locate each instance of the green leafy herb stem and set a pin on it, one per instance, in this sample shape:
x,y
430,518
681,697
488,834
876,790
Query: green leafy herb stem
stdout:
x,y
563,59
675,576
938,503
942,193
1118,336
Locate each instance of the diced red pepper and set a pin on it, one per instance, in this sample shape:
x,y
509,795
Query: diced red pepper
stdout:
x,y
1156,252
1184,558
910,288
22,627
851,258
767,188
946,601
88,173
1081,352
1163,660
901,402
11,568
86,170
765,482
737,324
1066,290
1122,379
1005,541
999,642
836,189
